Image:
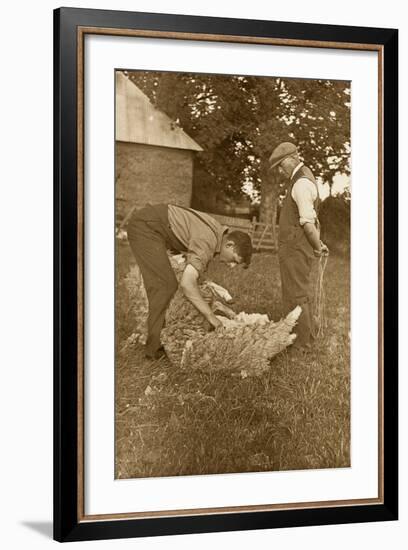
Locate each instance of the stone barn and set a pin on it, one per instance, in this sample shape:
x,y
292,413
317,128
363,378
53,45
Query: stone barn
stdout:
x,y
154,156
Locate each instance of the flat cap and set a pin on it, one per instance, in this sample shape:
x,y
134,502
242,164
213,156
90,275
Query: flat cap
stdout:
x,y
281,152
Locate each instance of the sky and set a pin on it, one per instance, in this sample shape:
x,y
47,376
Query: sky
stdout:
x,y
340,183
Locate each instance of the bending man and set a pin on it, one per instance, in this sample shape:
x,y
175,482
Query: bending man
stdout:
x,y
299,235
154,230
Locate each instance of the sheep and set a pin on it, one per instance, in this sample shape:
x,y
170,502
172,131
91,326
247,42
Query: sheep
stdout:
x,y
243,345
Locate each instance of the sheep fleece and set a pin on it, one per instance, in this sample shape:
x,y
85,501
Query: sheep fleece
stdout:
x,y
244,344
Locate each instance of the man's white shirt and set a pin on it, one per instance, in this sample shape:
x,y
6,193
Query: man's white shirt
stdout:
x,y
304,193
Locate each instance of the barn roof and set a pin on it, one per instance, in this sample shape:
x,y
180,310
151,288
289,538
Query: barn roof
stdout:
x,y
138,121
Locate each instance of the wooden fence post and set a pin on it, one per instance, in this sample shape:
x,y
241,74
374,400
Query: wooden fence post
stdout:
x,y
262,236
125,220
253,228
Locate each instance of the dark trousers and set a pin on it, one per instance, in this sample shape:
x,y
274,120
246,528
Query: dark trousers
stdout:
x,y
150,237
296,268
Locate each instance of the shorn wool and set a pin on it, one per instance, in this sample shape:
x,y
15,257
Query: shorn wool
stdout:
x,y
244,344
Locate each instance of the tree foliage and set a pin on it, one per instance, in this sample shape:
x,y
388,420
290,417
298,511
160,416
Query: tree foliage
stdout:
x,y
238,120
334,216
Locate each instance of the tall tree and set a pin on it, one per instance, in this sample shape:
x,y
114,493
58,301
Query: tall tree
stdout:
x,y
238,120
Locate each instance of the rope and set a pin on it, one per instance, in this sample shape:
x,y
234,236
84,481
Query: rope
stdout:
x,y
319,305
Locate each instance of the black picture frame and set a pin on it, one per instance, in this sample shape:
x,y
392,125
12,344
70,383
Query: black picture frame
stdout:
x,y
69,523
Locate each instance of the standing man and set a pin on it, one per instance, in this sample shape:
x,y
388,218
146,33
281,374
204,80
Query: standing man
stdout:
x,y
299,236
157,228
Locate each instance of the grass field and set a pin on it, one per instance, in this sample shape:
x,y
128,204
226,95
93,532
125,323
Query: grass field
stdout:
x,y
172,422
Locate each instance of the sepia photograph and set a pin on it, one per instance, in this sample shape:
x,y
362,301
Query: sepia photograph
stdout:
x,y
232,273
225,229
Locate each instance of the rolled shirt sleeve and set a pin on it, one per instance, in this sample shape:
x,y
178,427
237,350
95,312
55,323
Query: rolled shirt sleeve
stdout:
x,y
304,193
201,251
201,235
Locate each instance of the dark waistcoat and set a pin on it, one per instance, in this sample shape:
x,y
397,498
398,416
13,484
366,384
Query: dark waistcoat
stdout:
x,y
291,233
156,217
